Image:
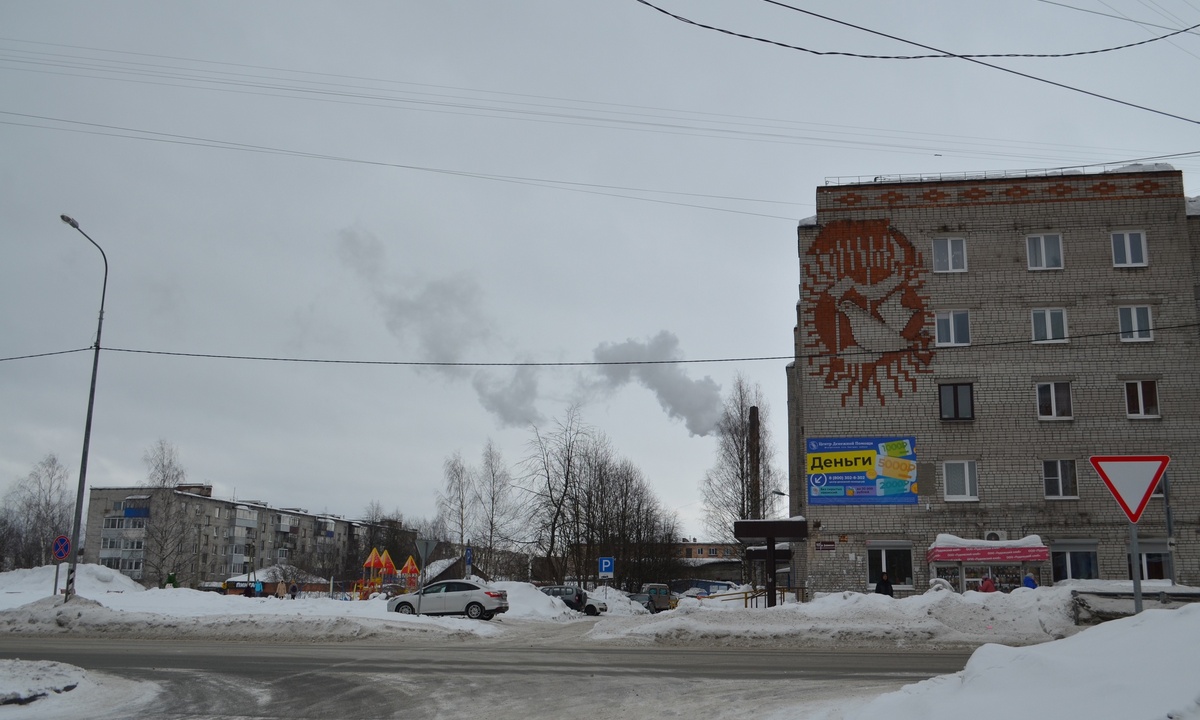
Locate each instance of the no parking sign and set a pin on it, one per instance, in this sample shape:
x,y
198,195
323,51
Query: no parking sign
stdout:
x,y
61,547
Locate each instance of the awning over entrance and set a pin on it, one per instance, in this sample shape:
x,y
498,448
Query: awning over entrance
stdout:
x,y
951,548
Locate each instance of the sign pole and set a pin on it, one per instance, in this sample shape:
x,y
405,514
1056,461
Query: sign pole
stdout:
x,y
1136,566
57,565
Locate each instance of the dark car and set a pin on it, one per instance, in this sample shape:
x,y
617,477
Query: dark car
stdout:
x,y
576,599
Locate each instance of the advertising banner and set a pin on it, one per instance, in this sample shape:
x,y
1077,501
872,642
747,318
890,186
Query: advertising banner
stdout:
x,y
861,471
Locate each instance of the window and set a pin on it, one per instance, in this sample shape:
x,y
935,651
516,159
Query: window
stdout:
x,y
1059,478
1045,252
1054,401
949,255
1141,399
961,483
1049,325
953,327
1074,564
957,401
1153,555
893,558
1135,323
687,552
1129,249
712,552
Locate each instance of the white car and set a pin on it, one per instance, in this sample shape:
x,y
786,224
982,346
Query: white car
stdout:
x,y
453,597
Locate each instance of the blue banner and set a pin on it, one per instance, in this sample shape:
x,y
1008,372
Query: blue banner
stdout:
x,y
861,471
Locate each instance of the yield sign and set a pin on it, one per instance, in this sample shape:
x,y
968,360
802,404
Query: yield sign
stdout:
x,y
1131,479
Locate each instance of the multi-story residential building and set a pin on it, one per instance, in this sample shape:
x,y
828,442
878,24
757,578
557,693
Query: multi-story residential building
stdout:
x,y
964,345
150,533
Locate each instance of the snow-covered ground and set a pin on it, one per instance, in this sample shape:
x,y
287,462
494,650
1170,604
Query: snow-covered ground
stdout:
x,y
1031,660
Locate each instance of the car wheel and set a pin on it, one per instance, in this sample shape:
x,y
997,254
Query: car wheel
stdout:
x,y
489,616
591,610
404,609
475,611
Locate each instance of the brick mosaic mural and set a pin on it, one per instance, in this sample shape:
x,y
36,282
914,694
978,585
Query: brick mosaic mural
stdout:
x,y
866,315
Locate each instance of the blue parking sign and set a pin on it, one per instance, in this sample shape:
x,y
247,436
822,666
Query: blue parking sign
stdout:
x,y
606,567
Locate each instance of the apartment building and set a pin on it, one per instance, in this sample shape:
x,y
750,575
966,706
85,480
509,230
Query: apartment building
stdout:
x,y
150,533
964,345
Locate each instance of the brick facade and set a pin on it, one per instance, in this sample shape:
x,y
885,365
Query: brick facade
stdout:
x,y
869,363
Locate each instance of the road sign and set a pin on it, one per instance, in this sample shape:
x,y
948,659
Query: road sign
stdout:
x,y
1131,479
607,565
61,547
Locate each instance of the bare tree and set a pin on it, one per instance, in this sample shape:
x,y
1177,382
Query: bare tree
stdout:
x,y
728,494
553,472
498,517
454,501
166,548
37,509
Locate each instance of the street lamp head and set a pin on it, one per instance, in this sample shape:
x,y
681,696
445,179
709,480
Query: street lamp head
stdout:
x,y
70,221
780,493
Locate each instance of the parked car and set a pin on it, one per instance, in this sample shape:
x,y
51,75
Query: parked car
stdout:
x,y
642,599
453,597
659,596
576,599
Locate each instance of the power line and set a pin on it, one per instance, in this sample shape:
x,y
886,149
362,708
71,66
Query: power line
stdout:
x,y
942,53
677,126
1114,17
580,187
586,363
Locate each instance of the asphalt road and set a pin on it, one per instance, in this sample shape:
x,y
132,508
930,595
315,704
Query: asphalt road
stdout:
x,y
517,677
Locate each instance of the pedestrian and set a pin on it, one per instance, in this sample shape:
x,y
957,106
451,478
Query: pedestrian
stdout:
x,y
1029,582
280,590
988,585
294,591
884,586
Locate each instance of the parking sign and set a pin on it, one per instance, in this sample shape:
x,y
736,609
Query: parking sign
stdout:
x,y
606,567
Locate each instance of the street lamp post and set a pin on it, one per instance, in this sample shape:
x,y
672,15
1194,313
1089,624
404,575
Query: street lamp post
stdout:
x,y
87,428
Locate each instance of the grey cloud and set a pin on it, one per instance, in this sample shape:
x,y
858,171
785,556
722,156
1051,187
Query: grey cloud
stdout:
x,y
443,319
512,402
696,402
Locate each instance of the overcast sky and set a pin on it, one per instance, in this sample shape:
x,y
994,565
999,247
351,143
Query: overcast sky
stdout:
x,y
454,181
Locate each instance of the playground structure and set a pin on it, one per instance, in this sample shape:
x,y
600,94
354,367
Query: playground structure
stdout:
x,y
379,570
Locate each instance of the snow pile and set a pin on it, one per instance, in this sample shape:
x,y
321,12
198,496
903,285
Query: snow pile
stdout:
x,y
1138,667
618,602
23,682
527,602
1022,617
20,586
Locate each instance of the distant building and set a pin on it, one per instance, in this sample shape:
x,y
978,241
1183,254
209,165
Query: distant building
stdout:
x,y
973,341
152,533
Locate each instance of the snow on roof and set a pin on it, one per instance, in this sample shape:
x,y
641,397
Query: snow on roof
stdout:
x,y
1142,167
279,573
945,540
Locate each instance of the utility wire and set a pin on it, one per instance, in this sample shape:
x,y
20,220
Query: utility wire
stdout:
x,y
941,53
1114,17
591,363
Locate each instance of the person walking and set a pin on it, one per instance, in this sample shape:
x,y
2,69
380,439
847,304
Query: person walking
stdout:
x,y
884,586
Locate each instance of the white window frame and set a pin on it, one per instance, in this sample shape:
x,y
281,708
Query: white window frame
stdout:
x,y
1038,242
1123,245
970,479
1047,317
1133,326
1060,472
944,255
1141,413
950,318
1054,408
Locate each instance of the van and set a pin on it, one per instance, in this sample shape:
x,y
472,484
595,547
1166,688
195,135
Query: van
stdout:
x,y
658,597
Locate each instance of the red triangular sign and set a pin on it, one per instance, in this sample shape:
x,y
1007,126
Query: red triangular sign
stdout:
x,y
1131,479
